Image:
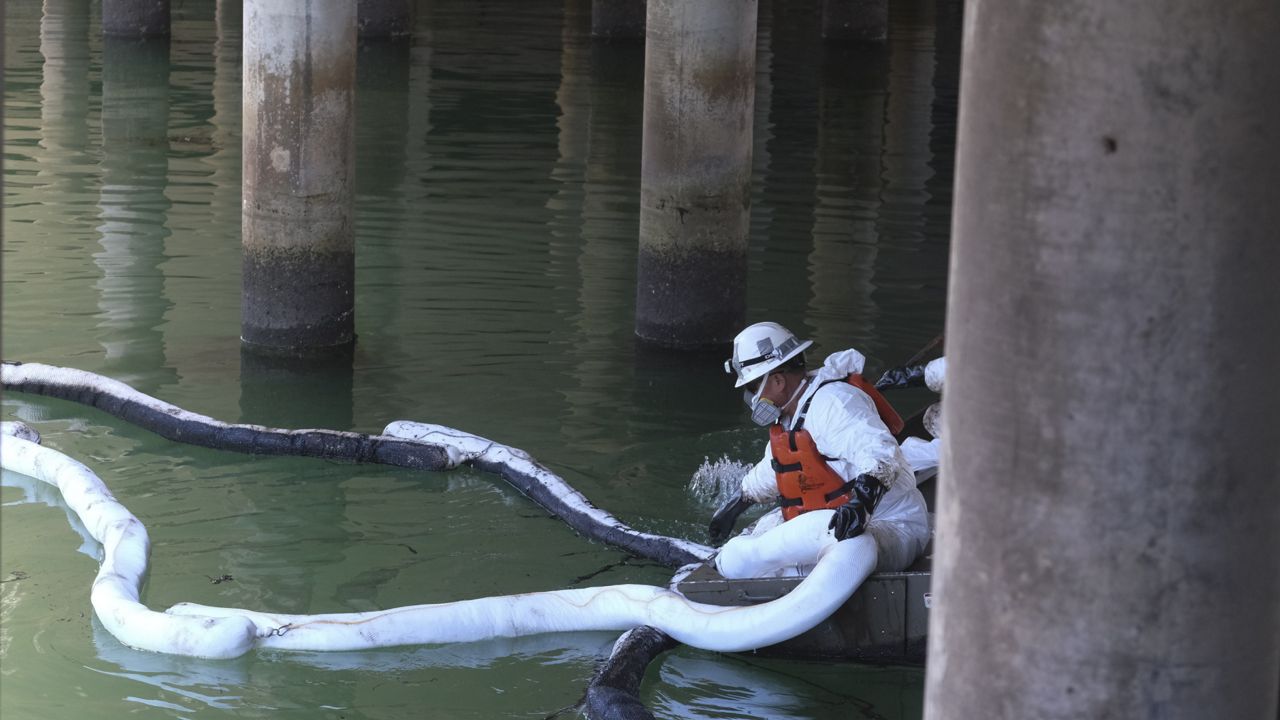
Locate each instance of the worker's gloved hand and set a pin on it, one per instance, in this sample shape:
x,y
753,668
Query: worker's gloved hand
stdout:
x,y
721,526
849,520
902,377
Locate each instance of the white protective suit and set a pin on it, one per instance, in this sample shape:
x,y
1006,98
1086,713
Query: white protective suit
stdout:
x,y
920,453
844,425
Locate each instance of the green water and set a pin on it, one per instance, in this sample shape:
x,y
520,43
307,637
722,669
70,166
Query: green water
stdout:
x,y
496,222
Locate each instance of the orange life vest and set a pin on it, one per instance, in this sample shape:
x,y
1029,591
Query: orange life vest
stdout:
x,y
805,481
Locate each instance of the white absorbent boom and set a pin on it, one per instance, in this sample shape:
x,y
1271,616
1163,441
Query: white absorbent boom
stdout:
x,y
211,632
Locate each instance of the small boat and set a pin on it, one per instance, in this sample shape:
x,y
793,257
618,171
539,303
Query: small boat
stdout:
x,y
886,620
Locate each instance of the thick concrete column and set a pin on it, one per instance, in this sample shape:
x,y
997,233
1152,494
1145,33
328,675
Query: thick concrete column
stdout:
x,y
384,18
617,18
135,18
855,19
299,251
695,178
1110,510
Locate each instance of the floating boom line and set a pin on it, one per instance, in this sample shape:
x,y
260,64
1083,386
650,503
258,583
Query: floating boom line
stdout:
x,y
409,447
214,632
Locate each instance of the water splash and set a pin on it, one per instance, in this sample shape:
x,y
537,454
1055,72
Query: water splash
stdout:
x,y
716,480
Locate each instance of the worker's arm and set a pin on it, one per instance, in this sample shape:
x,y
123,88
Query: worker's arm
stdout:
x,y
931,374
846,427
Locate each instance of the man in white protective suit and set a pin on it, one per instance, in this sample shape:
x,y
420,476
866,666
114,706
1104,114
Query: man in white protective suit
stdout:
x,y
830,457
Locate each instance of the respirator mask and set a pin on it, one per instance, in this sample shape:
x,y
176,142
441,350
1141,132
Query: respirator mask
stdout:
x,y
763,412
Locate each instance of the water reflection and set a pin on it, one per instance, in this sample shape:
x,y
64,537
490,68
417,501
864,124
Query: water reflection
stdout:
x,y
694,685
61,143
783,201
38,491
134,172
396,105
852,93
601,101
224,156
915,195
64,92
269,385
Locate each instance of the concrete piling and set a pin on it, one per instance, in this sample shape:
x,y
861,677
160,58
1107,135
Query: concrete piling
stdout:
x,y
855,19
297,231
135,18
617,18
695,178
1109,509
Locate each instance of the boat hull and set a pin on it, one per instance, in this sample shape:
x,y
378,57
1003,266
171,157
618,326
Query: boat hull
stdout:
x,y
886,620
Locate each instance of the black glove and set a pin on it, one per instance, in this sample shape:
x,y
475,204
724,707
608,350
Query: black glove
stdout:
x,y
721,526
902,377
851,518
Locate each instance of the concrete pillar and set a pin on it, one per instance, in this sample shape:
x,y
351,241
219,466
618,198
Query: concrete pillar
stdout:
x,y
299,251
384,18
855,19
1109,509
617,18
134,209
135,18
695,179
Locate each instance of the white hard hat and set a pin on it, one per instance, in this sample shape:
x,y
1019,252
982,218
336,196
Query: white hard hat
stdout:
x,y
760,349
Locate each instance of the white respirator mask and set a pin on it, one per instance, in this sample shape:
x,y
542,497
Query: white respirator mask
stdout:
x,y
763,412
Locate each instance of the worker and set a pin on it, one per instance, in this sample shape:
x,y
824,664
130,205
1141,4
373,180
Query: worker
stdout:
x,y
830,453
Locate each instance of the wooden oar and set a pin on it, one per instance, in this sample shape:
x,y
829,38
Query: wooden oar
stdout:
x,y
925,350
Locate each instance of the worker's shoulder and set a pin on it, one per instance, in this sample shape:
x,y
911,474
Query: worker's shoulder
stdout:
x,y
837,393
